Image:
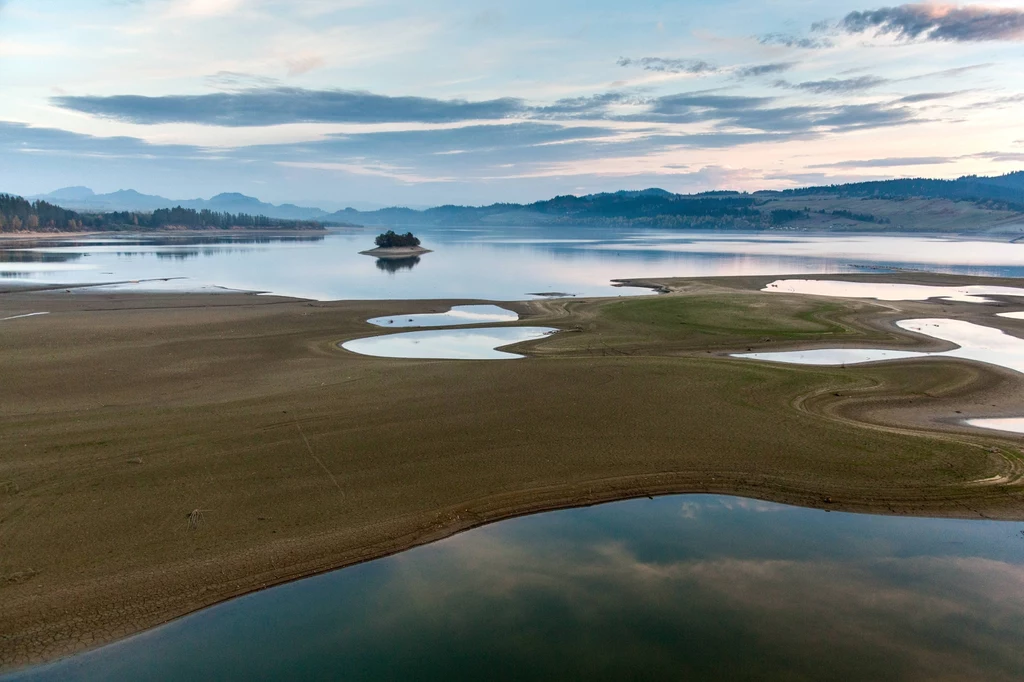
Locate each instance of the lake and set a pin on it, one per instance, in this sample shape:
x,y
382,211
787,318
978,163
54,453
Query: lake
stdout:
x,y
677,587
481,263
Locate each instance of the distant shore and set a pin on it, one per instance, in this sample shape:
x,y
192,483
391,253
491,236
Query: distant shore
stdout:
x,y
284,232
221,481
396,252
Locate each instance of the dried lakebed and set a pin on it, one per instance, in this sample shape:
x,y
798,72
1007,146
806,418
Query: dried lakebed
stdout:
x,y
324,458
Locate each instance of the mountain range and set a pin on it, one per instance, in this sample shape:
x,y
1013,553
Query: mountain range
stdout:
x,y
85,200
969,203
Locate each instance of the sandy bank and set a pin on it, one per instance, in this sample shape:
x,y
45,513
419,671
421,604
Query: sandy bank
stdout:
x,y
396,252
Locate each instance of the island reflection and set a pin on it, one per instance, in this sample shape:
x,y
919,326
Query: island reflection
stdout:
x,y
397,264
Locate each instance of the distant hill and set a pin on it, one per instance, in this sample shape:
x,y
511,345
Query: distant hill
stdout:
x,y
20,215
1004,189
85,200
970,204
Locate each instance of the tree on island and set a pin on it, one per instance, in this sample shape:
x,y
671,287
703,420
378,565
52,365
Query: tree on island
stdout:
x,y
390,240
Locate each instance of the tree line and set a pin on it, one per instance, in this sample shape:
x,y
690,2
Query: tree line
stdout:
x,y
391,240
20,215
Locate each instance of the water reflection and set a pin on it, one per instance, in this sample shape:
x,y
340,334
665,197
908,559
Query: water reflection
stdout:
x,y
397,264
684,587
496,263
23,256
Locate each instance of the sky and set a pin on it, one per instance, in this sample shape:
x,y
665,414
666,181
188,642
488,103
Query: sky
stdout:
x,y
332,103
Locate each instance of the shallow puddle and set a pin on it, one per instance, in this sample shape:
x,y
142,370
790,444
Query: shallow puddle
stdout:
x,y
887,291
976,342
693,587
460,314
453,344
1010,424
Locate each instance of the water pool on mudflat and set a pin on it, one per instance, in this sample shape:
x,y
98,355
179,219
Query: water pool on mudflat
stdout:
x,y
975,342
891,291
449,344
1008,424
458,315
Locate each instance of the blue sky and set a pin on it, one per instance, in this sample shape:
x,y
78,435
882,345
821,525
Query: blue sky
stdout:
x,y
336,102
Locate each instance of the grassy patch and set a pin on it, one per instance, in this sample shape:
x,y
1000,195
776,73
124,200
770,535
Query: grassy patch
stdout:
x,y
721,315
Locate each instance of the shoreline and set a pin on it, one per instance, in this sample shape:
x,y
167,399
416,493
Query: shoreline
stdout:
x,y
35,236
165,425
396,252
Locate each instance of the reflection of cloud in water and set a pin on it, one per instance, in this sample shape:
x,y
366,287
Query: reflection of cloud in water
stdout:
x,y
880,618
691,509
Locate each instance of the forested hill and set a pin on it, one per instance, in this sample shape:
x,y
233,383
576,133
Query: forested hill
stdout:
x,y
20,215
967,204
1006,190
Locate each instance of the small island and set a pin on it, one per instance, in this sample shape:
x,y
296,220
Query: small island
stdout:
x,y
393,245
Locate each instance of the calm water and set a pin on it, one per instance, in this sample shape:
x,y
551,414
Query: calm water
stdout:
x,y
681,587
489,263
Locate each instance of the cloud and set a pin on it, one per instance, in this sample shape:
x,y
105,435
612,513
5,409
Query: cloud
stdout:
x,y
1003,157
282,105
277,106
235,80
661,65
758,113
589,106
25,139
888,162
763,69
939,22
787,40
835,85
700,67
928,97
